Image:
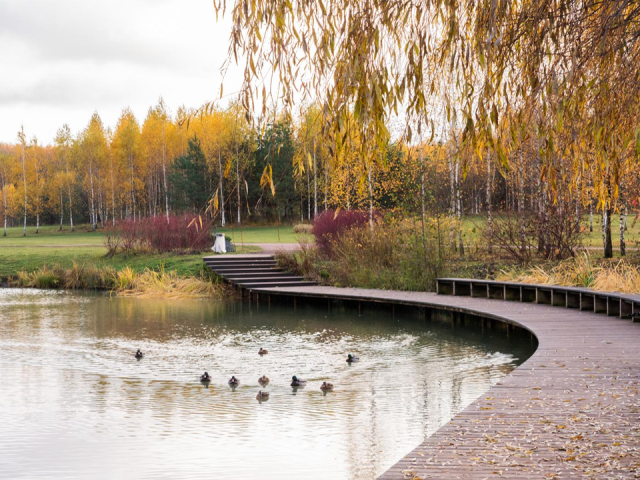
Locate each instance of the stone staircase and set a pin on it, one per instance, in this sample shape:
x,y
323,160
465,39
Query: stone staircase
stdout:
x,y
253,271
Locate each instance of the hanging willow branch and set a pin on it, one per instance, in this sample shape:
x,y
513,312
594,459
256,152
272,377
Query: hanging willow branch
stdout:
x,y
566,72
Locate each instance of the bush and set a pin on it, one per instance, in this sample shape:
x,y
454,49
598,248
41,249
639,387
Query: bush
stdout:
x,y
553,236
184,233
393,256
330,225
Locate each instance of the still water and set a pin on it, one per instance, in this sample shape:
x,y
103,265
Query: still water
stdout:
x,y
75,403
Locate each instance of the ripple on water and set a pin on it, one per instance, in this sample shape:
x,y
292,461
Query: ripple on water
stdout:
x,y
75,397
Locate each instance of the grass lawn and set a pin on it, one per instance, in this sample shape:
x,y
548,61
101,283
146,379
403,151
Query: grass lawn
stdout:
x,y
473,225
51,247
282,234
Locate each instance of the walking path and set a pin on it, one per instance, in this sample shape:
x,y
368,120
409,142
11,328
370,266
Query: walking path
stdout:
x,y
570,411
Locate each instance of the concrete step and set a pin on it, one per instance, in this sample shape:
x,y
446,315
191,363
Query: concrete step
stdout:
x,y
236,277
233,269
242,281
241,264
238,258
300,283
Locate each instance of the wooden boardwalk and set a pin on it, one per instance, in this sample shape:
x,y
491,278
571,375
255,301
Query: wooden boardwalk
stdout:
x,y
571,411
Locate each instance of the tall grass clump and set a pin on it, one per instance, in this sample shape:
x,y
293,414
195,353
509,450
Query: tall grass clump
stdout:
x,y
128,282
163,284
581,271
78,277
180,233
393,255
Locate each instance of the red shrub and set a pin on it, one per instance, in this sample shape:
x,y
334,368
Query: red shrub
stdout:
x,y
180,233
329,225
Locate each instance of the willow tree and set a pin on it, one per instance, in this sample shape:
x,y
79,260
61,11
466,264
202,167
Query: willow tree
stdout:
x,y
569,67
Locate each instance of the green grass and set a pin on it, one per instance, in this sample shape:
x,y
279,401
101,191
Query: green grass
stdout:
x,y
49,235
50,247
473,225
282,234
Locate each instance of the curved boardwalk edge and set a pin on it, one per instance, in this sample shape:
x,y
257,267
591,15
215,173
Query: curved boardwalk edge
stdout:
x,y
570,411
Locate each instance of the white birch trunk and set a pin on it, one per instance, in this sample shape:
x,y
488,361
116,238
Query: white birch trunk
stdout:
x,y
94,220
315,184
164,174
221,188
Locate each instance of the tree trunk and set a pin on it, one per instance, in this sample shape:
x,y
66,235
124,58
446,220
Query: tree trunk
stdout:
x,y
315,184
238,187
606,223
24,180
164,175
133,188
459,208
308,194
4,198
623,245
113,195
370,197
489,218
519,180
326,183
578,185
94,220
221,188
61,211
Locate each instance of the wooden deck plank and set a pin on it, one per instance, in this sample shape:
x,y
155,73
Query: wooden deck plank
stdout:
x,y
572,410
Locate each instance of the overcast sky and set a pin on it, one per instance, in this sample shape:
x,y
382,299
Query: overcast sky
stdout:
x,y
62,60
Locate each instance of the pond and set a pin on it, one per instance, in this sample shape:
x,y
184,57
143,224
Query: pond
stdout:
x,y
75,403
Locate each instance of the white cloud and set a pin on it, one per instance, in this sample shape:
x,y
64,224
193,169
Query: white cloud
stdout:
x,y
63,60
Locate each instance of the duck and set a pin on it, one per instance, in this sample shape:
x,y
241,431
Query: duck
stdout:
x,y
298,382
262,351
326,386
263,380
233,381
351,359
139,354
262,396
205,377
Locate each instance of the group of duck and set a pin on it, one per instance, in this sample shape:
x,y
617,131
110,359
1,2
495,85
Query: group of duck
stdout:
x,y
264,380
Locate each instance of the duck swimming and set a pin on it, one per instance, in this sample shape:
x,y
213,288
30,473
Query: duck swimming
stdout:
x,y
233,381
205,377
263,380
262,396
298,382
351,359
139,354
262,351
326,386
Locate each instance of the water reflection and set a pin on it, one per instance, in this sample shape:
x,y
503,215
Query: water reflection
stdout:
x,y
75,397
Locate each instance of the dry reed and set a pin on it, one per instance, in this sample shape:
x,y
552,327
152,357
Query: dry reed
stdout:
x,y
581,272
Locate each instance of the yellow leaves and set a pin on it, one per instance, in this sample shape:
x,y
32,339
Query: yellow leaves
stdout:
x,y
267,179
